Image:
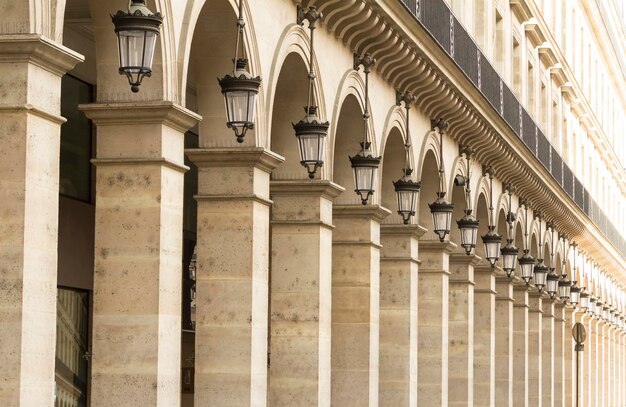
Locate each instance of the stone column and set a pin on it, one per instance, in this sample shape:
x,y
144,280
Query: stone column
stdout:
x,y
569,356
232,275
484,336
138,250
521,307
355,305
547,353
461,329
504,342
535,354
561,364
30,124
300,292
433,317
594,365
585,365
604,365
398,315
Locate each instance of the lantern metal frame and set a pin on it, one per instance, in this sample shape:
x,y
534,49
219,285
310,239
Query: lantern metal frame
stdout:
x,y
311,131
575,293
240,82
138,18
509,251
565,284
441,209
540,272
468,224
492,241
584,300
364,161
406,186
527,261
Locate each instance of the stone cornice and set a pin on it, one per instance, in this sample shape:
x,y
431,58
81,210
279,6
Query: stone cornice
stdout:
x,y
445,91
411,230
162,112
258,157
323,188
374,212
39,50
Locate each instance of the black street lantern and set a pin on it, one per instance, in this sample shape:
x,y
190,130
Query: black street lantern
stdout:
x,y
468,224
406,188
584,300
509,252
575,294
527,261
491,240
468,229
552,284
442,215
137,31
240,91
565,287
541,270
407,191
441,209
364,164
540,275
311,131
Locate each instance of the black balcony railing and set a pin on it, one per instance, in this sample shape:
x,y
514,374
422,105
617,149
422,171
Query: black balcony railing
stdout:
x,y
449,33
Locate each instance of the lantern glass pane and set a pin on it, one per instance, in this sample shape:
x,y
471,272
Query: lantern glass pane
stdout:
x,y
509,261
311,147
441,220
564,291
406,201
552,286
492,250
363,178
574,297
468,236
526,270
240,108
584,302
540,278
136,50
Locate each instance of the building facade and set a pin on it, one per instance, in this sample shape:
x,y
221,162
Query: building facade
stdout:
x,y
149,259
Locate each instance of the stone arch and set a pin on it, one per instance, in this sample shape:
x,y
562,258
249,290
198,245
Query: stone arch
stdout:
x,y
210,57
295,41
430,144
349,133
391,170
481,210
428,174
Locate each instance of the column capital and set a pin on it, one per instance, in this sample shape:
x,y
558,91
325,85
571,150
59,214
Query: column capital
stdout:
x,y
411,230
133,113
470,260
435,245
324,188
257,157
39,50
374,212
535,301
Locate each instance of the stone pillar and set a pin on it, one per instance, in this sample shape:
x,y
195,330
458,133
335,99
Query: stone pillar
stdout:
x,y
232,275
586,372
547,353
521,307
300,292
561,365
504,342
535,354
569,356
138,250
30,123
461,329
484,336
355,305
604,365
594,363
398,315
433,317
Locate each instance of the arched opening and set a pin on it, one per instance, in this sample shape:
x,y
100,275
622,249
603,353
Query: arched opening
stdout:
x,y
348,135
482,214
428,193
393,164
289,100
211,57
458,199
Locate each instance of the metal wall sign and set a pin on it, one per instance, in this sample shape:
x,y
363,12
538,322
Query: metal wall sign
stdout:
x,y
580,334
